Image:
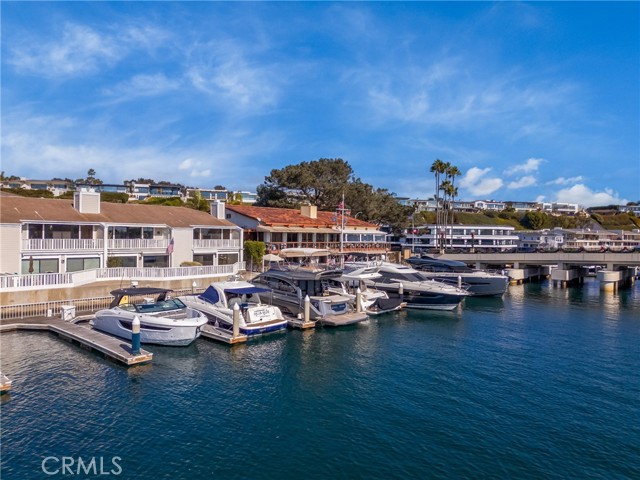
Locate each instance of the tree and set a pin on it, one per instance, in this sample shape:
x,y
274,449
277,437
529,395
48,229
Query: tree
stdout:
x,y
253,252
196,202
234,198
438,168
535,220
320,182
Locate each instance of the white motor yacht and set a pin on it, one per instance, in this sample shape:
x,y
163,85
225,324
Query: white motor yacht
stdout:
x,y
478,282
417,292
256,317
163,320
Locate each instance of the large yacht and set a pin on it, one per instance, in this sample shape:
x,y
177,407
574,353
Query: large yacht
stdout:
x,y
354,277
417,291
163,320
291,281
478,282
255,317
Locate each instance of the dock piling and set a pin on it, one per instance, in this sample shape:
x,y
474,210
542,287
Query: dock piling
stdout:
x,y
135,335
307,308
358,300
236,320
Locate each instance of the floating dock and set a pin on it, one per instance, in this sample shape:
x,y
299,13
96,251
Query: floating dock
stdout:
x,y
221,335
5,384
344,319
300,323
113,348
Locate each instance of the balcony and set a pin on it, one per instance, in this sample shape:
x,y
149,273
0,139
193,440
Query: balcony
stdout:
x,y
137,243
334,247
61,244
217,243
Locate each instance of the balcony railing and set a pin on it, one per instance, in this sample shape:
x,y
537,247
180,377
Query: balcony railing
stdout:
x,y
136,243
61,244
334,247
217,243
59,280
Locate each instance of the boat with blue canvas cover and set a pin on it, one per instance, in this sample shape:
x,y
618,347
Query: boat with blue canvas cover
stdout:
x,y
163,320
256,317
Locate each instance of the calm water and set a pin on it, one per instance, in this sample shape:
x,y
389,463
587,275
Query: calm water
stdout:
x,y
544,383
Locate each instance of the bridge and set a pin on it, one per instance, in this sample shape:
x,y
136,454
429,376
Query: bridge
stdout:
x,y
618,268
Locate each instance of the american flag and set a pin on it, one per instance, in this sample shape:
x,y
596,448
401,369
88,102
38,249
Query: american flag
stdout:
x,y
170,247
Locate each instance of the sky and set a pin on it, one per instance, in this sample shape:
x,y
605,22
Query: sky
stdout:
x,y
532,101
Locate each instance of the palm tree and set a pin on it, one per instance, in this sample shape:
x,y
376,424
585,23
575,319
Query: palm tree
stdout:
x,y
452,172
438,167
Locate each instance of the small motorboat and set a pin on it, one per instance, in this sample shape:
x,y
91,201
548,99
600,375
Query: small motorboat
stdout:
x,y
163,320
217,302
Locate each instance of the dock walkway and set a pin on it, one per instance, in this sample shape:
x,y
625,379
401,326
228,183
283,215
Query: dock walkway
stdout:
x,y
111,347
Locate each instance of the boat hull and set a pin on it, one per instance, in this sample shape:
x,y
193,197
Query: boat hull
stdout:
x,y
150,332
479,286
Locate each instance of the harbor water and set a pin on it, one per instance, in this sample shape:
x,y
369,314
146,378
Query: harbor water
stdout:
x,y
542,383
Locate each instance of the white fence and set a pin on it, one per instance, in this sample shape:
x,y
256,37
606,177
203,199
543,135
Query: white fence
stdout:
x,y
216,243
61,244
14,283
137,243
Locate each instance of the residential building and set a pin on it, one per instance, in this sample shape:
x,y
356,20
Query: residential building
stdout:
x,y
524,206
282,228
485,238
41,235
489,205
635,209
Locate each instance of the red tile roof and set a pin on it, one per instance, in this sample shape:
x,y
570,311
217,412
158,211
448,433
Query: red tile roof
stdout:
x,y
270,216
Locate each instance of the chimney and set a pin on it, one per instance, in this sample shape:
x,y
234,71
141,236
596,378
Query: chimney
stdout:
x,y
86,201
310,211
217,209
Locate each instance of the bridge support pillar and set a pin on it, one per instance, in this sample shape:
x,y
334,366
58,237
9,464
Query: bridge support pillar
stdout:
x,y
516,276
563,278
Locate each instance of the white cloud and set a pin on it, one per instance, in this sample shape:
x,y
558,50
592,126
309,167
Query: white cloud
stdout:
x,y
586,197
186,164
143,86
476,184
79,49
530,166
525,181
565,181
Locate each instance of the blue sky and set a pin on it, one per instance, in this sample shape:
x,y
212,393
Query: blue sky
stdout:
x,y
532,101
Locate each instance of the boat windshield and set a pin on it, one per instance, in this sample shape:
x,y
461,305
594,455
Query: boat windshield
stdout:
x,y
406,276
162,306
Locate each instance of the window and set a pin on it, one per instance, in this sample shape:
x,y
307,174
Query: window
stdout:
x,y
35,230
78,264
37,265
158,261
227,258
205,259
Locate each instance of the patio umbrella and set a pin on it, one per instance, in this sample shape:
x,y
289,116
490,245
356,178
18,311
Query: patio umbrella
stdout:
x,y
31,264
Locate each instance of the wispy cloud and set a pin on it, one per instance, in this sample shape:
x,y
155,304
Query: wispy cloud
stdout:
x,y
565,181
476,182
149,85
530,166
526,181
78,49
